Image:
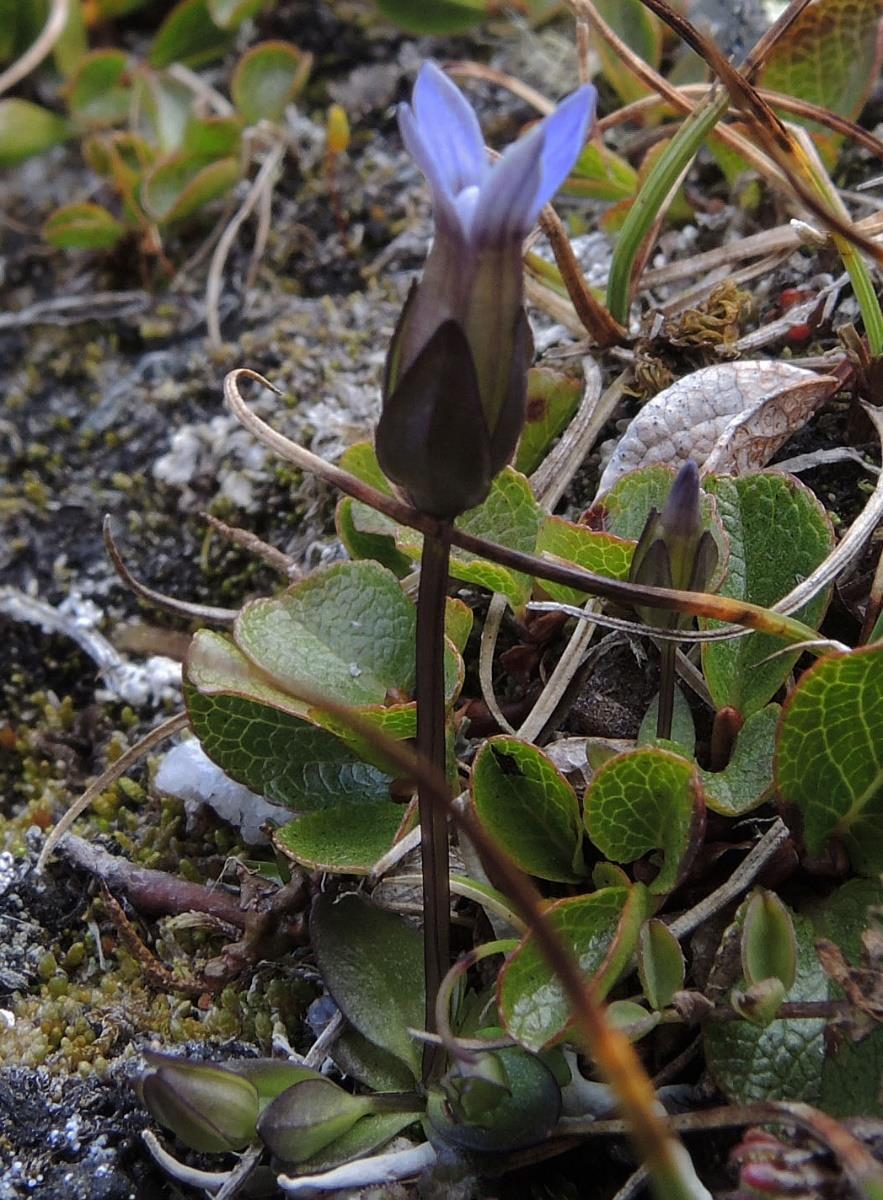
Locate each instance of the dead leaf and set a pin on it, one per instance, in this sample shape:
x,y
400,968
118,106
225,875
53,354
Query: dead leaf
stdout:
x,y
730,418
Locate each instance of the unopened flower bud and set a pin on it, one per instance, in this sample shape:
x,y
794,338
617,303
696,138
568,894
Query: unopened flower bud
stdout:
x,y
209,1108
675,550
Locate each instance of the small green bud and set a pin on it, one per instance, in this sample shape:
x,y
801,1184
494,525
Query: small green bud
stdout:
x,y
209,1108
475,1089
769,943
309,1116
760,1004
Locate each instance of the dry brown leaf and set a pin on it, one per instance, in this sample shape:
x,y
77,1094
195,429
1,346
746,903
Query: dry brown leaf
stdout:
x,y
730,418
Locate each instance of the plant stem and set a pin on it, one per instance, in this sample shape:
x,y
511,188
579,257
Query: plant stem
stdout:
x,y
430,692
665,711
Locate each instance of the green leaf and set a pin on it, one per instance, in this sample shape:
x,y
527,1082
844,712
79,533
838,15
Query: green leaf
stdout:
x,y
853,1070
648,799
769,947
367,1135
602,553
27,129
529,808
829,755
179,185
683,730
458,623
631,1018
552,399
782,1061
82,227
642,32
600,930
282,757
267,79
434,16
215,664
510,516
828,56
747,780
346,631
229,14
601,174
381,547
308,1117
99,94
371,962
660,963
188,35
346,838
164,105
70,49
212,137
377,1069
779,533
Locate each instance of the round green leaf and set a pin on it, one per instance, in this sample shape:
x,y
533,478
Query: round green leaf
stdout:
x,y
288,760
829,755
346,631
648,799
82,227
510,516
178,186
266,80
747,780
600,930
371,962
779,533
530,808
345,838
99,93
603,553
27,129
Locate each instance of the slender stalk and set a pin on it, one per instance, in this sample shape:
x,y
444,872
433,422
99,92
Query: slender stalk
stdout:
x,y
430,692
667,673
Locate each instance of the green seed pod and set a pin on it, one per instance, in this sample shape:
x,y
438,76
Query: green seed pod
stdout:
x,y
208,1108
309,1116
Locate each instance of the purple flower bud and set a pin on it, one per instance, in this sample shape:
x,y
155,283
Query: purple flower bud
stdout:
x,y
675,550
456,376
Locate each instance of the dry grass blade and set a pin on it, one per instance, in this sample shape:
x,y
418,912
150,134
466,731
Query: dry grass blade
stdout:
x,y
133,755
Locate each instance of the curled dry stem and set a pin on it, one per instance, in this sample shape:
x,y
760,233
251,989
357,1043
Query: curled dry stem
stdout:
x,y
180,608
37,51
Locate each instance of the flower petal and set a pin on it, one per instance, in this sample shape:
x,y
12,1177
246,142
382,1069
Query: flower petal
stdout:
x,y
450,129
565,133
530,172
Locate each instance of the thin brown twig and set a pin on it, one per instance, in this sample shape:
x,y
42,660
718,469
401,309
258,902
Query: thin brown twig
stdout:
x,y
180,608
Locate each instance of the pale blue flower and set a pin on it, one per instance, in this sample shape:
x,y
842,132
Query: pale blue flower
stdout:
x,y
457,371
